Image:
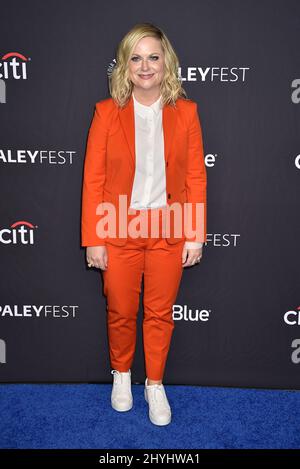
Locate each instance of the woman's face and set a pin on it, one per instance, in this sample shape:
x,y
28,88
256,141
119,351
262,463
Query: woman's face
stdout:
x,y
146,64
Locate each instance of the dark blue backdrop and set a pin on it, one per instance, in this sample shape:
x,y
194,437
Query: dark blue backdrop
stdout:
x,y
237,312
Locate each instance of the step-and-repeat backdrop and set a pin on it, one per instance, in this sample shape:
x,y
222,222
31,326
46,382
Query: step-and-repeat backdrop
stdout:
x,y
237,314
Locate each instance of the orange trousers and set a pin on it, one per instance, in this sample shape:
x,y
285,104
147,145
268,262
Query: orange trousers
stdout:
x,y
161,264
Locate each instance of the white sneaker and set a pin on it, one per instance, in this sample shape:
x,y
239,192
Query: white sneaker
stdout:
x,y
121,396
159,408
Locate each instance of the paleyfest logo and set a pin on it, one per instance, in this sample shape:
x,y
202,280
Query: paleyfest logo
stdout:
x,y
13,65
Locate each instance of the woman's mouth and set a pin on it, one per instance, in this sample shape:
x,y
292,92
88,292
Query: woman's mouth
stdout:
x,y
146,77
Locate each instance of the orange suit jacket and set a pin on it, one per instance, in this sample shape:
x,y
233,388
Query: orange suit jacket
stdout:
x,y
109,166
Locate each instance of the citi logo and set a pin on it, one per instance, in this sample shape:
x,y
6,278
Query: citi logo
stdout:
x,y
2,351
292,317
13,66
183,313
20,232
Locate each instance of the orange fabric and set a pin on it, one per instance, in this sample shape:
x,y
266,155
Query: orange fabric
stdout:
x,y
110,166
161,265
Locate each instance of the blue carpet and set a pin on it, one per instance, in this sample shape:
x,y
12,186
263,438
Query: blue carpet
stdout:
x,y
80,416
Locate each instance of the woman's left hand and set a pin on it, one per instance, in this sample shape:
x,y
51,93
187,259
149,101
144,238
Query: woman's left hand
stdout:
x,y
191,256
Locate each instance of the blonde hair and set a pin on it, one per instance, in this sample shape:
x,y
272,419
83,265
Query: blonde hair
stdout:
x,y
120,85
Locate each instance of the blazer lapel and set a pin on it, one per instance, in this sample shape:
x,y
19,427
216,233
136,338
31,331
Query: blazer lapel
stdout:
x,y
169,118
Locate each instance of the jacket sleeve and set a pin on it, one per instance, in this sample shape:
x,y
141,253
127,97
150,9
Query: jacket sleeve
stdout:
x,y
93,178
196,180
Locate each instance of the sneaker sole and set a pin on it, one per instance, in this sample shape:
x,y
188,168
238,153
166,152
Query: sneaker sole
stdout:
x,y
122,409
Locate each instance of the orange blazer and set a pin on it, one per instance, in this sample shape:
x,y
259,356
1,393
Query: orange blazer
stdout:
x,y
109,165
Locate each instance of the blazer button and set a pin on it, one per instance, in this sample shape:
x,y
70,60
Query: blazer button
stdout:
x,y
169,196
167,163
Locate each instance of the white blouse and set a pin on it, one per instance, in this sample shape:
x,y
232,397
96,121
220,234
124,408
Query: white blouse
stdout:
x,y
149,185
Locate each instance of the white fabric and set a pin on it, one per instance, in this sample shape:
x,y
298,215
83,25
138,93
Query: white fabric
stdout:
x,y
149,185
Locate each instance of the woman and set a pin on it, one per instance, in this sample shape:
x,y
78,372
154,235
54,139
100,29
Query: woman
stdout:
x,y
144,144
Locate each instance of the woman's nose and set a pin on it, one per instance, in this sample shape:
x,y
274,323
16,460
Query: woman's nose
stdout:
x,y
144,65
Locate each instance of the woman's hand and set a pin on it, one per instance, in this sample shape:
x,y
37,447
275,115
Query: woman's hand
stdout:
x,y
97,257
191,256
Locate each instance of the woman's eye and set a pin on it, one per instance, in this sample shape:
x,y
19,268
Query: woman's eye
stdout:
x,y
155,57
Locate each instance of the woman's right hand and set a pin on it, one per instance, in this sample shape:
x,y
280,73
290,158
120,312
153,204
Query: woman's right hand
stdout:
x,y
97,256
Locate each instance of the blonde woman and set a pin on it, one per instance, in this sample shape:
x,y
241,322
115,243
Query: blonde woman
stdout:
x,y
145,145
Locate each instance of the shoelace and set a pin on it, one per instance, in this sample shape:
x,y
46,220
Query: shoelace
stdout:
x,y
118,377
158,396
